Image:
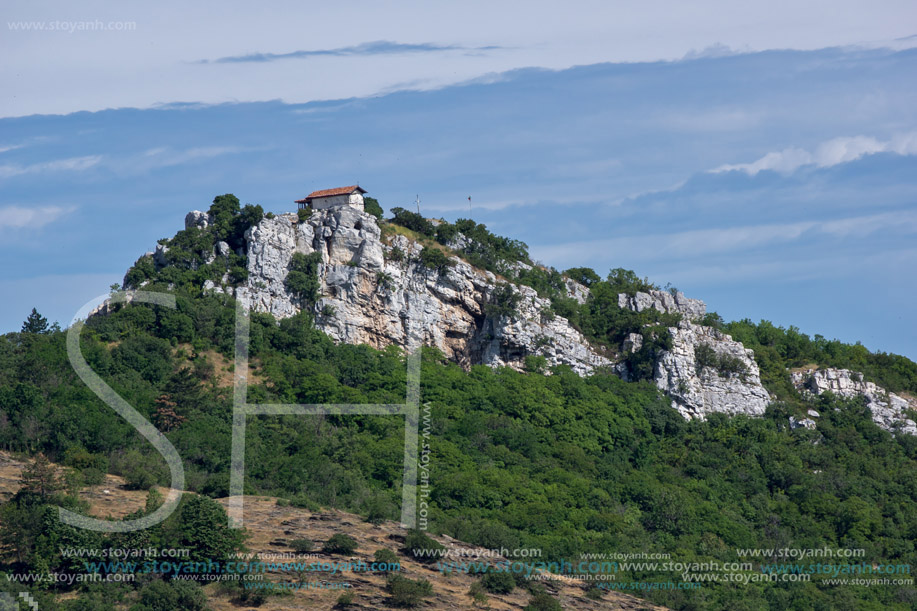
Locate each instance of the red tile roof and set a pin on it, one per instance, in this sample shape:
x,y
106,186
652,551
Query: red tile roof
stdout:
x,y
330,193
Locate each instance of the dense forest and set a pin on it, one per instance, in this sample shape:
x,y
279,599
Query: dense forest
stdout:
x,y
566,464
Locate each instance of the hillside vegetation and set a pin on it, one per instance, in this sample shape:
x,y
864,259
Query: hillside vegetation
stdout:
x,y
565,464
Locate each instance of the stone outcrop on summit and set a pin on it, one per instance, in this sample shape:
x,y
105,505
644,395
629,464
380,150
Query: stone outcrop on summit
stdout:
x,y
369,296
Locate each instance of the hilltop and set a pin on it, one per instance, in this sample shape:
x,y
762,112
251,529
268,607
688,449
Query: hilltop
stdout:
x,y
645,425
480,299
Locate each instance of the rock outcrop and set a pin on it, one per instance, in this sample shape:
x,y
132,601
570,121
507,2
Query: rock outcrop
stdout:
x,y
377,292
696,390
889,410
700,385
677,303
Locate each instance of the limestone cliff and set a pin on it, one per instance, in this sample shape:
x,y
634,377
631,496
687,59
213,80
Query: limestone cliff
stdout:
x,y
889,410
694,372
375,291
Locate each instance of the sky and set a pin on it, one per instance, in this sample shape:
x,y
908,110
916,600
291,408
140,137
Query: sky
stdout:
x,y
762,158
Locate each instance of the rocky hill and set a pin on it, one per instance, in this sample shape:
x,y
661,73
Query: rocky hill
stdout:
x,y
375,287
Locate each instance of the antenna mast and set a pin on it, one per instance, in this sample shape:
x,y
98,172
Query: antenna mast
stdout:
x,y
417,203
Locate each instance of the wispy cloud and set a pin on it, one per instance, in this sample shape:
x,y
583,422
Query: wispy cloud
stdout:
x,y
17,217
74,164
704,242
827,154
378,47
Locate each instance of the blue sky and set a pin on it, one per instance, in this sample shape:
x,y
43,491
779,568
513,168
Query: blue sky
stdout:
x,y
769,169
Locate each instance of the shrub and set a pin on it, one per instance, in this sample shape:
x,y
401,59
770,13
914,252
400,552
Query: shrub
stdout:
x,y
345,599
478,597
371,206
584,275
413,221
340,544
543,602
408,592
304,502
421,547
301,546
498,582
445,232
302,279
389,558
594,594
396,255
434,258
304,214
504,301
704,356
167,596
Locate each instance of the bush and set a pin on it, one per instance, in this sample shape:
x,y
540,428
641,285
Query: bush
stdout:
x,y
724,364
345,600
408,592
396,255
389,558
498,582
413,221
302,279
543,602
434,258
301,546
167,596
594,593
704,356
422,548
504,301
371,205
584,275
340,544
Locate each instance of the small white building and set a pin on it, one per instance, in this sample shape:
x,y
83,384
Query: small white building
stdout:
x,y
329,198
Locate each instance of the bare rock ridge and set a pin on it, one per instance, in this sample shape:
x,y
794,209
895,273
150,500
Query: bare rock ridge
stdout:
x,y
371,296
889,410
373,289
696,385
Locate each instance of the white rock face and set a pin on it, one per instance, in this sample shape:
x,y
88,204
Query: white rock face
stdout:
x,y
693,309
805,423
696,394
888,409
367,297
198,219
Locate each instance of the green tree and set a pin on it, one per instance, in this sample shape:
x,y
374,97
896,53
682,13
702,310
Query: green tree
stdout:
x,y
203,528
340,544
371,205
35,323
302,279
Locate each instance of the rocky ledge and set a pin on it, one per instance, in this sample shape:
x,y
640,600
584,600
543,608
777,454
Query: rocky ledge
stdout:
x,y
889,410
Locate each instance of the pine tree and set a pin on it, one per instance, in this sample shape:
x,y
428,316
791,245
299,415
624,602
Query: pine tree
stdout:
x,y
41,478
35,323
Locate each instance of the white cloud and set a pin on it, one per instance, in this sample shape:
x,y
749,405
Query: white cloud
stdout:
x,y
75,164
17,217
827,154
